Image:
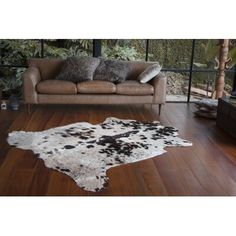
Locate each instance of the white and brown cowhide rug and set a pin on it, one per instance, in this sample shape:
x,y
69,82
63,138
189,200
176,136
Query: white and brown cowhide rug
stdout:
x,y
85,151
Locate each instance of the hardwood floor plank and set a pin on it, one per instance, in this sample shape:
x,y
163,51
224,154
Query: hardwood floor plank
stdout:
x,y
205,169
8,168
24,178
42,174
19,157
40,180
58,184
7,118
152,178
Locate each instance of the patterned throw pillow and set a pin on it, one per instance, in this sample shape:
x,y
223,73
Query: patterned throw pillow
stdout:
x,y
78,69
112,70
149,73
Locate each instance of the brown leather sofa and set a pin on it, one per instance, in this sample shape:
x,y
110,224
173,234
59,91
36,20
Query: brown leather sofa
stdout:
x,y
40,87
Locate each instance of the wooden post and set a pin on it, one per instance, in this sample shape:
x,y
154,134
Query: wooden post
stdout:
x,y
223,59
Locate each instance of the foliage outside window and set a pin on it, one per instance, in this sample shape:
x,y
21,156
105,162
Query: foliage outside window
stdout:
x,y
64,48
170,53
16,52
124,49
203,83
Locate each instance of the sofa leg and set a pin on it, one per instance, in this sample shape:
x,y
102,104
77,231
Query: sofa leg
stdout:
x,y
159,109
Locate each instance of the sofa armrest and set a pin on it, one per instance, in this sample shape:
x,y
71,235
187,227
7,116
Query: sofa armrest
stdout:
x,y
30,78
159,84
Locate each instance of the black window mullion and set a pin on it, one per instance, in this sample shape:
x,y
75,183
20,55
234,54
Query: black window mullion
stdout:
x,y
42,48
97,47
191,70
147,49
234,83
1,55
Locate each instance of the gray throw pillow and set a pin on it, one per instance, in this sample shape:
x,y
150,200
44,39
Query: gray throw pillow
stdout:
x,y
78,69
112,70
149,73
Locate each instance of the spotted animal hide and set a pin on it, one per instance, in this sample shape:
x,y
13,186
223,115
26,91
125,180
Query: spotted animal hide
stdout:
x,y
85,151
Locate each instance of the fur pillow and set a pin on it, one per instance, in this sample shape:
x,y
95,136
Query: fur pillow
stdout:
x,y
78,69
149,73
112,70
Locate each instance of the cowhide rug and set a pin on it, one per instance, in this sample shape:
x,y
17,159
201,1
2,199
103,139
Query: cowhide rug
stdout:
x,y
85,151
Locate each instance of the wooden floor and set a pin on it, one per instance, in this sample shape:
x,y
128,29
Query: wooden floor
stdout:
x,y
206,168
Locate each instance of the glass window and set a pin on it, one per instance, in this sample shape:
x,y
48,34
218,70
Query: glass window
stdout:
x,y
17,51
10,81
229,79
174,53
124,49
205,53
177,86
64,48
203,84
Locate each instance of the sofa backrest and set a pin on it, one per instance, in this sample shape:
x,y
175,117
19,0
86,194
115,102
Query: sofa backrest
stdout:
x,y
49,68
137,67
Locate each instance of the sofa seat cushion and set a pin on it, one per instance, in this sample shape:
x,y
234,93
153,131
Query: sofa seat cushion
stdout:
x,y
132,87
56,87
97,86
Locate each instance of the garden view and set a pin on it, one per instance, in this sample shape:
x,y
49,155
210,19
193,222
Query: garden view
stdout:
x,y
173,55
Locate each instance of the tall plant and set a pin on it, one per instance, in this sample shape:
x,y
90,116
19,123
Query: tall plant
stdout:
x,y
211,53
210,59
12,84
121,53
18,51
